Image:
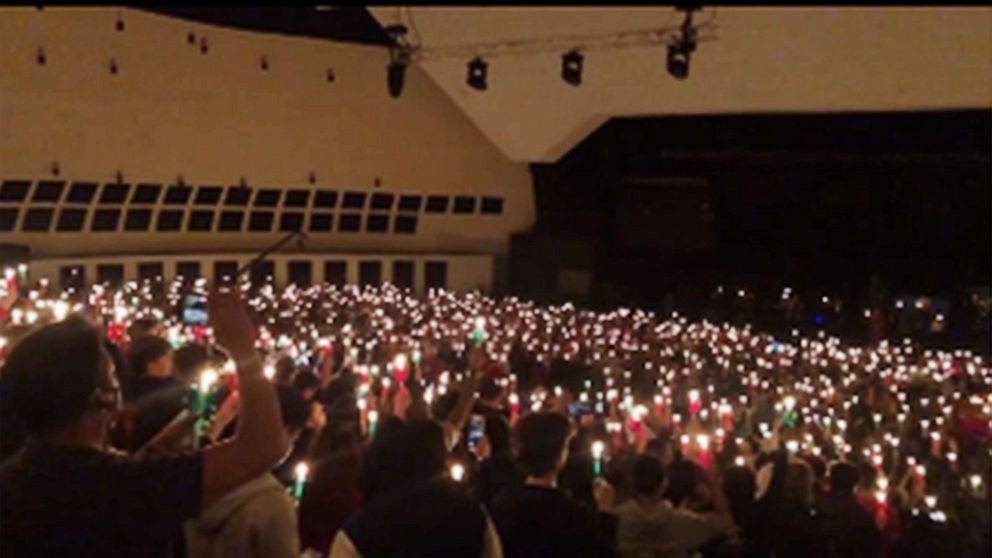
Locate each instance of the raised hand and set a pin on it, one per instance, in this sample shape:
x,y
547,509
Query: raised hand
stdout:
x,y
233,327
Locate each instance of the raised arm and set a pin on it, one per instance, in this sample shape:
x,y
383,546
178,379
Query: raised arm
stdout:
x,y
258,443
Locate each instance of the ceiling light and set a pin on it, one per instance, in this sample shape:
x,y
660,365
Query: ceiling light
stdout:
x,y
571,67
477,70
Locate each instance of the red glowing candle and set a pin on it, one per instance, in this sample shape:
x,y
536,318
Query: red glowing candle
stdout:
x,y
659,406
514,407
695,403
727,412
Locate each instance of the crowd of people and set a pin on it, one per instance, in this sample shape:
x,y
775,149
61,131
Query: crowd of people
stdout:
x,y
371,422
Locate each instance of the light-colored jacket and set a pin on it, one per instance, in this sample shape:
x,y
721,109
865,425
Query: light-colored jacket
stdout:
x,y
664,531
258,520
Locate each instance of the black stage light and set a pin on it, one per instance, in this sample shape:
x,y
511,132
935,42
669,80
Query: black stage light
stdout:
x,y
477,70
399,58
395,73
571,67
678,61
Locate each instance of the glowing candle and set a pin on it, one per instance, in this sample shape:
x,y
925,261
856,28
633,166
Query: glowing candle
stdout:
x,y
457,472
514,407
399,368
269,371
301,471
694,401
598,447
479,333
373,419
207,379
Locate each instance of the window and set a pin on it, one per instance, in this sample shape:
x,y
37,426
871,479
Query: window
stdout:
x,y
369,273
14,190
151,271
321,222
437,204
208,195
267,198
111,274
403,274
326,199
336,272
349,222
72,277
230,221
353,200
297,198
48,191
71,219
262,272
260,221
237,195
8,218
410,203
114,193
200,221
382,201
105,220
38,220
224,272
289,222
81,192
138,220
405,224
178,195
300,273
436,275
146,193
492,206
170,220
377,223
189,271
464,204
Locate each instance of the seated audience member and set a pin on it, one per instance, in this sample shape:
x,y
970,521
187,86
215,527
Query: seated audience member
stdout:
x,y
650,527
154,411
151,361
412,508
537,519
258,519
66,493
849,529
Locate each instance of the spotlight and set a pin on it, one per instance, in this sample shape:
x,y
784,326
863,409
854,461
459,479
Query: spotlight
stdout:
x,y
120,24
264,63
330,75
395,73
113,66
477,70
191,38
204,47
41,57
399,58
678,61
571,67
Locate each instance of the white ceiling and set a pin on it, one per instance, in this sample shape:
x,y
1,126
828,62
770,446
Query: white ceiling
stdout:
x,y
810,59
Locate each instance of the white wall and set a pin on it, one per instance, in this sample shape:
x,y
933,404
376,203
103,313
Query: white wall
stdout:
x,y
218,117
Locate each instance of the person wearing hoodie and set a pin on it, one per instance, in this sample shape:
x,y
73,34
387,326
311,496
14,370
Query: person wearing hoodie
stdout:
x,y
258,520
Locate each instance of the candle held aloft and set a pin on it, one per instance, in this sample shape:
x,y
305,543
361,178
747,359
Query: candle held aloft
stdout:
x,y
301,471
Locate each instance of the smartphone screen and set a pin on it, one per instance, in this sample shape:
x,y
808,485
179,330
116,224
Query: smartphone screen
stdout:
x,y
476,430
194,311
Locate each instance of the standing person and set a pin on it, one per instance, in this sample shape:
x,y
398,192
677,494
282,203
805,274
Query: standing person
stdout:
x,y
151,361
849,529
154,411
651,528
538,519
67,493
258,519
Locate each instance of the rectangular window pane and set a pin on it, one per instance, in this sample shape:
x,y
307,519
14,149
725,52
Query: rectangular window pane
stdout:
x,y
405,224
300,273
237,195
48,191
410,202
321,222
38,220
267,198
382,201
138,220
369,273
151,271
200,221
260,221
291,222
353,200
14,190
224,271
336,272
297,198
71,219
327,199
8,218
403,274
230,221
189,271
82,192
72,277
178,195
105,220
436,275
437,204
377,223
492,206
349,222
111,274
464,204
208,195
170,220
114,193
262,272
146,193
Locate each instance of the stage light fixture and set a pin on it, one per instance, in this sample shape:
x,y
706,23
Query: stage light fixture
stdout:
x,y
399,58
113,66
264,63
678,61
477,70
191,38
41,58
680,51
571,67
119,25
